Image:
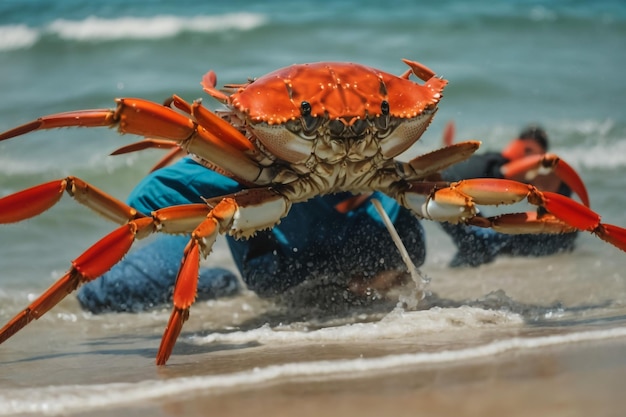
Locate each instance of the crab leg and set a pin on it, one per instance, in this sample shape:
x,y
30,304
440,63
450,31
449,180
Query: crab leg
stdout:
x,y
579,216
185,290
457,203
104,254
101,256
566,215
240,215
148,143
201,132
91,264
529,222
421,167
433,162
35,200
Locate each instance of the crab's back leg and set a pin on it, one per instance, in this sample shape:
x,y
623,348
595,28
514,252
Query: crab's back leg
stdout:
x,y
241,215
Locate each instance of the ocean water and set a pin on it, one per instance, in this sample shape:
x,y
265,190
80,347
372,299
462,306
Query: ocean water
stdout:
x,y
509,63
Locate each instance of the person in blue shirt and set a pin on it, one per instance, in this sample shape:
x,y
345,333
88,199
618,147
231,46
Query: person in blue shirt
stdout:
x,y
476,245
314,240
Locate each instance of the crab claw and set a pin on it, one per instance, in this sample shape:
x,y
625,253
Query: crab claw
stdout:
x,y
533,166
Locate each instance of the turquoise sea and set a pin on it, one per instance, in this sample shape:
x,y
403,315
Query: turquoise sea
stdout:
x,y
509,63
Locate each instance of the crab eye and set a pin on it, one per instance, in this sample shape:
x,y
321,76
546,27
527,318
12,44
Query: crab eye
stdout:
x,y
382,121
384,107
305,108
309,123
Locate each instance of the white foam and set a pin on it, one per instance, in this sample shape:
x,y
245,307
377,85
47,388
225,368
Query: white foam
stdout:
x,y
156,27
94,28
65,399
397,324
17,37
597,156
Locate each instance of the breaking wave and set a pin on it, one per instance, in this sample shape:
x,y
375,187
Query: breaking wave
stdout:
x,y
94,29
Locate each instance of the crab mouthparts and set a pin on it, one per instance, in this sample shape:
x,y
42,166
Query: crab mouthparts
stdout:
x,y
352,127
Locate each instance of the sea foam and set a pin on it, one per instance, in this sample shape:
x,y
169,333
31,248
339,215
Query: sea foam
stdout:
x,y
94,29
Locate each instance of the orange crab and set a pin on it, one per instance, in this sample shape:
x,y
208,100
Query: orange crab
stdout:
x,y
298,132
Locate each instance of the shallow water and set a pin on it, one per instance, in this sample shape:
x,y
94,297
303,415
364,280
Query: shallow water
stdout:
x,y
502,334
478,325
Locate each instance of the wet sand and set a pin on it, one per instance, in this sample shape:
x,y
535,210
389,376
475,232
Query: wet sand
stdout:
x,y
585,379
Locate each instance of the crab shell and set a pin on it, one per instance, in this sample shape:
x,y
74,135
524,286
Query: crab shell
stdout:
x,y
337,91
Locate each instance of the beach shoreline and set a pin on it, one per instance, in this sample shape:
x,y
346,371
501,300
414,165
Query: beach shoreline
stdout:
x,y
573,380
570,379
546,372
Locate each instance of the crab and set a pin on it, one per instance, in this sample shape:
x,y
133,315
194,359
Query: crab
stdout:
x,y
295,133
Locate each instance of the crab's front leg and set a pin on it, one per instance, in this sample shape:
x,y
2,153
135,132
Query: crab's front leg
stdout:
x,y
199,131
240,215
456,203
